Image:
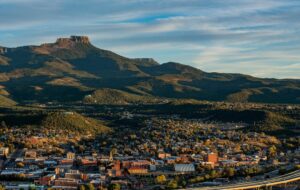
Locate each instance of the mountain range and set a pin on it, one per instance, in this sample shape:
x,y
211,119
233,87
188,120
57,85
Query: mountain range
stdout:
x,y
74,70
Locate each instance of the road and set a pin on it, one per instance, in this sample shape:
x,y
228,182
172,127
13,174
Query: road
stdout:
x,y
283,179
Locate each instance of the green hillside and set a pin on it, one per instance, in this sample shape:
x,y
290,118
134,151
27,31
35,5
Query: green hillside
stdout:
x,y
117,97
6,102
71,121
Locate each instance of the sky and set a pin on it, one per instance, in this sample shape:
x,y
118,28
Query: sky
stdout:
x,y
255,37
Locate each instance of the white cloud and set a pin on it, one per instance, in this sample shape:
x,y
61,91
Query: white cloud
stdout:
x,y
229,36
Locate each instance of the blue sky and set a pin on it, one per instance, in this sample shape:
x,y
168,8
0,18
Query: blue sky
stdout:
x,y
256,37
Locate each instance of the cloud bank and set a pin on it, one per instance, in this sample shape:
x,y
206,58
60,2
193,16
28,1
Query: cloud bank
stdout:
x,y
254,37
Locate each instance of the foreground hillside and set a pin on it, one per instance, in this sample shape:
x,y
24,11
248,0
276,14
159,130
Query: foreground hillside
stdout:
x,y
102,119
57,121
74,122
72,69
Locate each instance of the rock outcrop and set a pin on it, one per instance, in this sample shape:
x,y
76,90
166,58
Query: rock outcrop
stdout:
x,y
62,43
73,39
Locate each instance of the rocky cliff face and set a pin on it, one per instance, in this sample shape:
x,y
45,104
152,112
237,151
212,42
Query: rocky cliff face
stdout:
x,y
80,39
73,39
62,43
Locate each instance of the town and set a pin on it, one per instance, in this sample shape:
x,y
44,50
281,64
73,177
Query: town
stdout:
x,y
157,152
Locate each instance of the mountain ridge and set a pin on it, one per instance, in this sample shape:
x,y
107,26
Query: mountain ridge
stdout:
x,y
71,68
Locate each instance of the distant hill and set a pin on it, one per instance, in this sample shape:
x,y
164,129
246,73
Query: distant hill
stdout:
x,y
71,69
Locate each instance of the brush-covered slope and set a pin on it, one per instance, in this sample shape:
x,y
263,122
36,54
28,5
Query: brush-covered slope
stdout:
x,y
117,97
71,121
6,102
72,68
55,121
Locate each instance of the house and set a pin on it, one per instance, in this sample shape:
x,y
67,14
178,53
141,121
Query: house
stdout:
x,y
67,162
172,159
30,154
89,162
73,174
228,163
163,155
46,180
65,183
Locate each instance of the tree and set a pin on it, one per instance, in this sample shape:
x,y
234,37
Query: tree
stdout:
x,y
21,176
20,165
172,184
230,172
182,182
272,151
213,173
31,187
82,187
114,187
90,186
3,124
160,179
81,148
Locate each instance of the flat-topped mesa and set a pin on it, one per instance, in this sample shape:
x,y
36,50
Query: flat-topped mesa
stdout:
x,y
72,40
80,39
62,43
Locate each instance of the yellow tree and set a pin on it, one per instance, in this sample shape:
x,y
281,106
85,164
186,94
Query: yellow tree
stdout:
x,y
160,179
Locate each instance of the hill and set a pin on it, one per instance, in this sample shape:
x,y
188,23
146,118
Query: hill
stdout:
x,y
59,121
71,69
117,97
71,121
6,102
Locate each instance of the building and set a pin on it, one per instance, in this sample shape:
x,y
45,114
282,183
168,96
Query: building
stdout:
x,y
89,162
66,162
212,157
73,174
65,182
4,151
24,187
30,154
163,155
70,155
137,170
116,169
184,168
46,180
